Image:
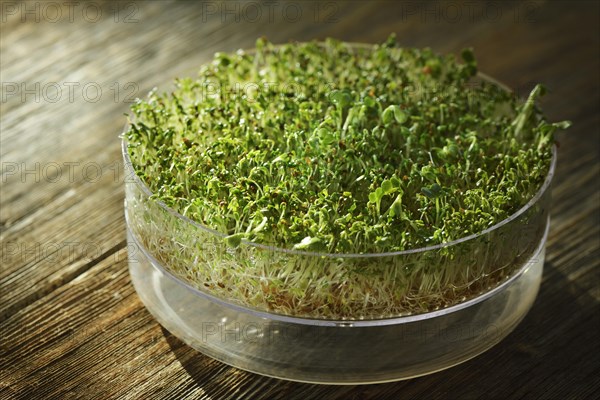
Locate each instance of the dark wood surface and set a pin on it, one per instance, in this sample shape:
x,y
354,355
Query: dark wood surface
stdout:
x,y
72,326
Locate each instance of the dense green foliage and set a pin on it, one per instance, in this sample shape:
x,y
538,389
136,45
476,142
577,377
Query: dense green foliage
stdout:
x,y
330,147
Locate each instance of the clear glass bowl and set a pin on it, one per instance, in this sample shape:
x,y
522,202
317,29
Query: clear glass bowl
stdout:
x,y
264,309
363,348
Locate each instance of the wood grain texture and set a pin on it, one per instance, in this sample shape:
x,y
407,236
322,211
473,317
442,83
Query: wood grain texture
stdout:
x,y
72,326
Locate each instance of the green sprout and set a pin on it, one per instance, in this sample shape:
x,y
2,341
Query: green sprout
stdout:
x,y
337,149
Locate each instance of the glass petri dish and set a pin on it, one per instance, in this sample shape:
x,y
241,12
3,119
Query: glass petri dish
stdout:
x,y
454,300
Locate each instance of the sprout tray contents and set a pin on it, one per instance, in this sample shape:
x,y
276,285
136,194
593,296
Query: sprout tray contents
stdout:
x,y
339,181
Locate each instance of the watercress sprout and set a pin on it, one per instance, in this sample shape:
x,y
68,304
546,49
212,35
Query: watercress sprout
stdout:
x,y
332,148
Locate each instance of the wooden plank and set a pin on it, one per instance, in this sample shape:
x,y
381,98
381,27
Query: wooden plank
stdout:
x,y
71,323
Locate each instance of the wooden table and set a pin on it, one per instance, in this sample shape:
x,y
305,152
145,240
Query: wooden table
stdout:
x,y
72,324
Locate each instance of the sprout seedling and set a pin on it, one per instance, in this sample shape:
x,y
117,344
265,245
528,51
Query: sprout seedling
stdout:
x,y
338,149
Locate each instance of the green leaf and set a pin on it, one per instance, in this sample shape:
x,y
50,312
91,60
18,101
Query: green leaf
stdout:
x,y
427,192
527,110
427,173
326,136
235,240
310,243
563,124
261,226
373,197
387,187
400,115
451,150
341,98
388,115
432,191
280,158
396,207
393,113
369,102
